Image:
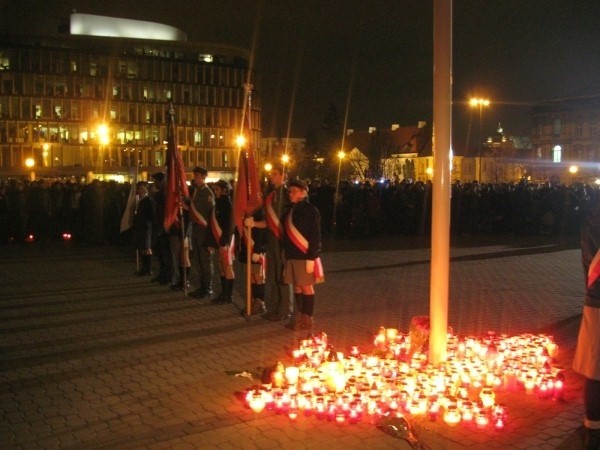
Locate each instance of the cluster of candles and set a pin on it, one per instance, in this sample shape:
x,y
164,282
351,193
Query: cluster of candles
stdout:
x,y
395,379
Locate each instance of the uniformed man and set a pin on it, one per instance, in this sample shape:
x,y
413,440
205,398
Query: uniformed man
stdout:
x,y
200,209
222,238
302,247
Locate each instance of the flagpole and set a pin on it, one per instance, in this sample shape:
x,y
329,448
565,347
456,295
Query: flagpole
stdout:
x,y
182,247
248,229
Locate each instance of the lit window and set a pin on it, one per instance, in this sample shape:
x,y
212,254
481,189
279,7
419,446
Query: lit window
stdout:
x,y
206,58
4,63
557,154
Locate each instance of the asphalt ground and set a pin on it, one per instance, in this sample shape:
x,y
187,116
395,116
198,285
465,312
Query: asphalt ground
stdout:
x,y
92,356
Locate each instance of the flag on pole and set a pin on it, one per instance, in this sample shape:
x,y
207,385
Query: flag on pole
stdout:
x,y
247,190
176,188
127,219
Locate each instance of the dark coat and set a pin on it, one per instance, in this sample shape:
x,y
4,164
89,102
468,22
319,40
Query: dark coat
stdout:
x,y
223,211
307,219
142,224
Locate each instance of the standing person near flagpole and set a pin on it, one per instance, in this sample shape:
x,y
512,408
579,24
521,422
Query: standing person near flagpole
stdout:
x,y
278,302
200,210
587,354
162,247
302,247
222,238
142,227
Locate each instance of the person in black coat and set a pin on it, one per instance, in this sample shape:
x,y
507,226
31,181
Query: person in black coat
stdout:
x,y
142,228
162,248
302,247
222,237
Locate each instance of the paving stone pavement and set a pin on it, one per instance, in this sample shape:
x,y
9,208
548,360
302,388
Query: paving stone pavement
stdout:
x,y
94,357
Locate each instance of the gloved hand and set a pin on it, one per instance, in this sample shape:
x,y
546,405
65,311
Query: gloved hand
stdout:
x,y
249,222
310,266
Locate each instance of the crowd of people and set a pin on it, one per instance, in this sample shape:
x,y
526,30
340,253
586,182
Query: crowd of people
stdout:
x,y
91,213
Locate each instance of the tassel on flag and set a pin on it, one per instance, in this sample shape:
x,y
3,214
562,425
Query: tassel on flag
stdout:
x,y
176,188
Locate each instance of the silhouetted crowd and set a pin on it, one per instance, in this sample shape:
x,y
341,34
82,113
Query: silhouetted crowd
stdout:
x,y
91,213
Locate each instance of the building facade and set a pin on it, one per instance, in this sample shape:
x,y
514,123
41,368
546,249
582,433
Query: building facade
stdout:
x,y
74,105
566,139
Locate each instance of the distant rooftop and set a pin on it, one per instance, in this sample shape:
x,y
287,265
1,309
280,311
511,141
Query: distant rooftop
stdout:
x,y
93,25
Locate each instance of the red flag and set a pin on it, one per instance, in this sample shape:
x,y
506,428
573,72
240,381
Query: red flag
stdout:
x,y
247,190
176,188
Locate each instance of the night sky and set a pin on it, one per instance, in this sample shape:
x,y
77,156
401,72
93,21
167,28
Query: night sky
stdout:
x,y
310,53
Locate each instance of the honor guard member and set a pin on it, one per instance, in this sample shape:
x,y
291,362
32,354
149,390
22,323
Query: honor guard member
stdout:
x,y
258,258
279,303
587,354
200,210
222,238
302,247
142,227
162,248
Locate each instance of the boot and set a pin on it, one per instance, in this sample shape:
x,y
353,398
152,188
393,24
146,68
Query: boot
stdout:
x,y
205,290
228,293
217,300
306,323
258,302
146,268
179,286
592,439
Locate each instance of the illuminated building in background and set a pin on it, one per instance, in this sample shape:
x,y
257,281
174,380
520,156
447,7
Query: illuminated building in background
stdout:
x,y
566,132
81,103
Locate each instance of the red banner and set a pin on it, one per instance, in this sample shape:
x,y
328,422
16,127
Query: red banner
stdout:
x,y
176,189
248,196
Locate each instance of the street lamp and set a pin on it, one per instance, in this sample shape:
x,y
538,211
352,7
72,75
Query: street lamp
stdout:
x,y
285,159
102,132
479,103
341,155
268,167
573,170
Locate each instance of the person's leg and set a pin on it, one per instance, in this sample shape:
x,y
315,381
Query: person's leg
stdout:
x,y
591,400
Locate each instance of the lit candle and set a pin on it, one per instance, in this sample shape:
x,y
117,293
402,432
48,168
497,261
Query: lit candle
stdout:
x,y
452,415
291,374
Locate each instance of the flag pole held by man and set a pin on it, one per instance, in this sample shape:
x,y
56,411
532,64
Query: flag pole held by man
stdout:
x,y
248,196
176,193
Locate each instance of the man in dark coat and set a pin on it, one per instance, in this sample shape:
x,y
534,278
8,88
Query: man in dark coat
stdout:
x,y
302,247
142,228
162,248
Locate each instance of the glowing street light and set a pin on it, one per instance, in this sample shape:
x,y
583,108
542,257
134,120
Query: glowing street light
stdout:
x,y
429,172
29,162
341,155
240,141
573,170
479,103
268,167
